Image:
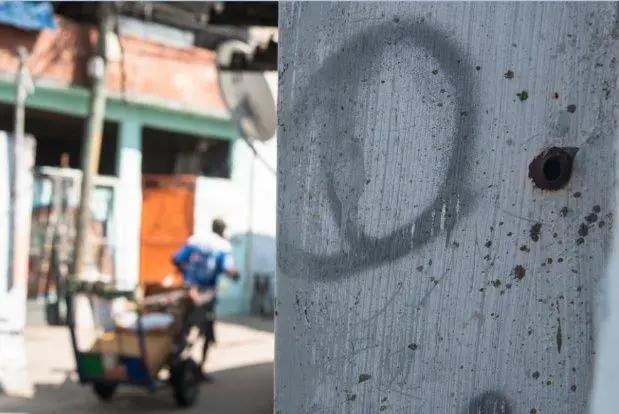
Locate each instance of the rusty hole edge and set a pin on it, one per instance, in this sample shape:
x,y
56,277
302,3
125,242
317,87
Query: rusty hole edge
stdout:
x,y
565,159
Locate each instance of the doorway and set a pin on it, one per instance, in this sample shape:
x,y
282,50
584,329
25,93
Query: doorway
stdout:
x,y
167,222
171,163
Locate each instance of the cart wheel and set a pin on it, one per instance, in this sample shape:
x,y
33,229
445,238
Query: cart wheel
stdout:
x,y
185,378
104,390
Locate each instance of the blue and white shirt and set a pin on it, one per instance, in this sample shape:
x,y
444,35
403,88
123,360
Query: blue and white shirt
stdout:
x,y
202,259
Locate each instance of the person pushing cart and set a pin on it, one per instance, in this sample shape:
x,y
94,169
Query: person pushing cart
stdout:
x,y
201,260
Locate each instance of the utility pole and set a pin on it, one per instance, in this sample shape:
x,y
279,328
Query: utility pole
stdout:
x,y
23,87
91,147
20,154
445,202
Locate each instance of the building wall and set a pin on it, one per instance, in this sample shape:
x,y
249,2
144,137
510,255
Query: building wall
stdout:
x,y
247,202
146,79
138,69
149,84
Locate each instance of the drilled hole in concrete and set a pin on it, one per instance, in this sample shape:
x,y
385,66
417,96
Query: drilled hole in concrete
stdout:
x,y
552,168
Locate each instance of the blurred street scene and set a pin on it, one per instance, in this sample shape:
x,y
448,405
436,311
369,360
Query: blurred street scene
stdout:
x,y
126,130
39,374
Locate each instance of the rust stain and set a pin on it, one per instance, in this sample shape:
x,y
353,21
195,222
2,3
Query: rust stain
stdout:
x,y
519,272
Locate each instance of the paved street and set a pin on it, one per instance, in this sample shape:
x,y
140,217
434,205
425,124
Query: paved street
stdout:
x,y
37,375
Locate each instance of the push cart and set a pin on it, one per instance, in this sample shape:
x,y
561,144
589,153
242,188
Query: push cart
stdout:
x,y
138,356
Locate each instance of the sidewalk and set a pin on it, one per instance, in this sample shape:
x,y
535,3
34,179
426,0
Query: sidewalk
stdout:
x,y
241,362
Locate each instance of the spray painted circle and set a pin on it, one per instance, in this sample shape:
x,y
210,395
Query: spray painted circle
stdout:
x,y
338,76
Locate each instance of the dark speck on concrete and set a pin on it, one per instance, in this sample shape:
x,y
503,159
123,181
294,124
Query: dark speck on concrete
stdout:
x,y
559,336
591,218
601,223
383,408
577,194
535,231
435,72
364,378
523,96
525,248
419,268
533,411
412,347
396,20
580,241
477,67
535,375
555,95
519,272
496,283
571,108
573,388
488,243
384,399
596,209
583,230
509,75
564,210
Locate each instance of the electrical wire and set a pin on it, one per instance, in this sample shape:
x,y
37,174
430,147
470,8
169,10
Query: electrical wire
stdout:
x,y
258,155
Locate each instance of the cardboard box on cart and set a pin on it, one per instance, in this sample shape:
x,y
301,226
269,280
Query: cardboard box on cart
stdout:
x,y
121,354
120,349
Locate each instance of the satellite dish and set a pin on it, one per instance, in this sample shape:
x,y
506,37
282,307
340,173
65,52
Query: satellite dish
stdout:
x,y
247,94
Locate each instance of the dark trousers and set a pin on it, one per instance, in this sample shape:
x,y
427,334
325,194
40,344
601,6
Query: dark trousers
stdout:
x,y
203,317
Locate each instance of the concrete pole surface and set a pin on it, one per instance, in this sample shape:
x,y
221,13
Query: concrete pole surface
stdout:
x,y
445,205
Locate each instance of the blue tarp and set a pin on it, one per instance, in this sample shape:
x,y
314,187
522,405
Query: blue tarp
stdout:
x,y
27,15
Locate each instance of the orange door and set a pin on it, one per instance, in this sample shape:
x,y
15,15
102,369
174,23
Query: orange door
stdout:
x,y
167,222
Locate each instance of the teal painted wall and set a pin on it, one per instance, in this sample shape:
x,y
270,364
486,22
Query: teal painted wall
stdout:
x,y
74,101
128,203
249,208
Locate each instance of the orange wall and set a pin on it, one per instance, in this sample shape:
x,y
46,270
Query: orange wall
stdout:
x,y
180,77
